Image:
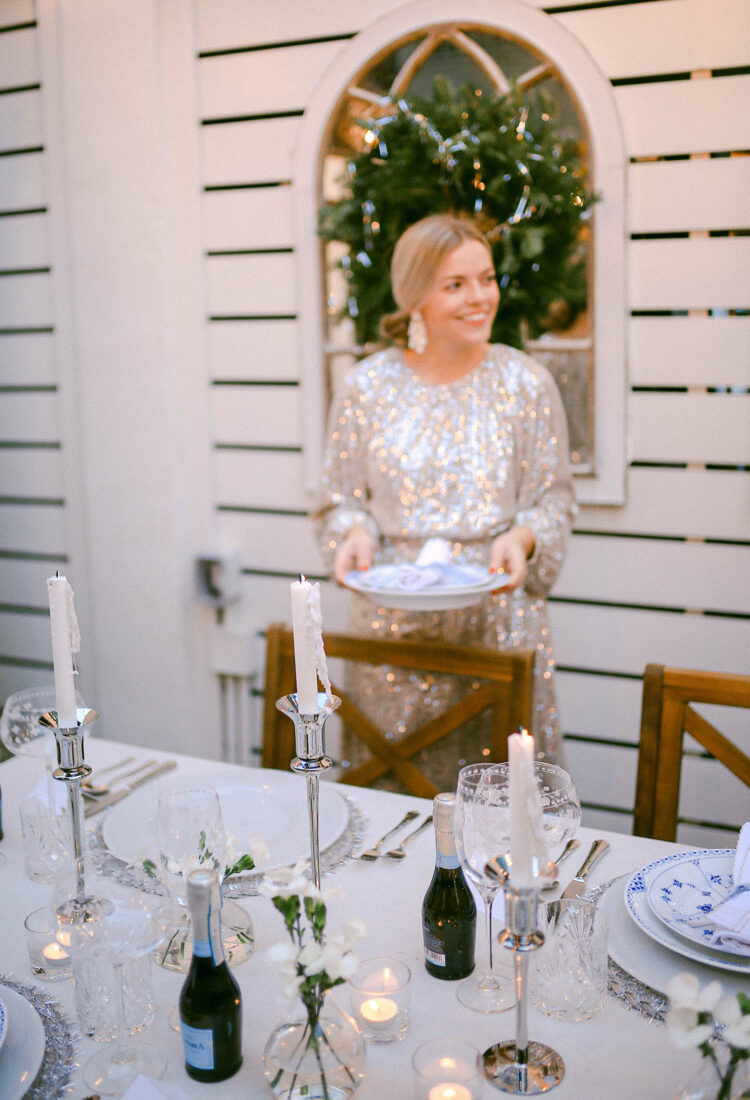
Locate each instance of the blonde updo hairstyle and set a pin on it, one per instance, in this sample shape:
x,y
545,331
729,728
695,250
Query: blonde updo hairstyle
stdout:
x,y
419,252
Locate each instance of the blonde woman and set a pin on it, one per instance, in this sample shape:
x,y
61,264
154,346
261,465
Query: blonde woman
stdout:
x,y
442,434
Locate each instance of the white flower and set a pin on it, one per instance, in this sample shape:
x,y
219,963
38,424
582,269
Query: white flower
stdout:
x,y
682,991
283,956
285,882
354,930
728,1011
684,1029
738,1034
311,957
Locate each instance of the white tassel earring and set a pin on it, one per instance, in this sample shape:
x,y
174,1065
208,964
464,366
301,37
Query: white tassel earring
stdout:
x,y
417,333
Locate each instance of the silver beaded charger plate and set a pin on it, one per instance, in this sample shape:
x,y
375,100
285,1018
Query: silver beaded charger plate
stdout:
x,y
124,837
639,910
684,892
435,597
38,1059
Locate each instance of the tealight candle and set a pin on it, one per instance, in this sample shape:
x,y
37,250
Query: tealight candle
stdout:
x,y
379,998
55,954
378,1012
450,1090
49,958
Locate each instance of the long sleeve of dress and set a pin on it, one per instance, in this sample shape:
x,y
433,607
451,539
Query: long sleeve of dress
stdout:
x,y
344,495
546,499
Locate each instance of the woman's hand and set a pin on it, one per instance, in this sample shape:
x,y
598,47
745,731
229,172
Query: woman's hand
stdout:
x,y
357,551
510,553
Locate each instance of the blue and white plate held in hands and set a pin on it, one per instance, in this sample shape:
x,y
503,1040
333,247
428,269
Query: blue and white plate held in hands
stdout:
x,y
683,894
3,1023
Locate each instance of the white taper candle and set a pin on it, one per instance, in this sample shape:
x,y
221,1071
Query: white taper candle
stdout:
x,y
65,642
304,651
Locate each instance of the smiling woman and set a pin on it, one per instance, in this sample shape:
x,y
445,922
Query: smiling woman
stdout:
x,y
443,435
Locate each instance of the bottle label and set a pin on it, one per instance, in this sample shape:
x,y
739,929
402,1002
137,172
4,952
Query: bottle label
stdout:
x,y
198,1044
449,862
202,948
434,950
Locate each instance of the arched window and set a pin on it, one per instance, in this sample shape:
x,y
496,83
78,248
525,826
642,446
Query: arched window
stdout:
x,y
488,47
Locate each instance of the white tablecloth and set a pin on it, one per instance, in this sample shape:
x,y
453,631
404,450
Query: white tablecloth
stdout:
x,y
616,1056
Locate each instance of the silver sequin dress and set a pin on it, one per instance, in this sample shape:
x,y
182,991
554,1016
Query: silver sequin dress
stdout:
x,y
465,461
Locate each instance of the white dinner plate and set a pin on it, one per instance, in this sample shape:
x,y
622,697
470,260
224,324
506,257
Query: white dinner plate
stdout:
x,y
436,597
23,1051
277,812
648,961
637,905
3,1023
682,894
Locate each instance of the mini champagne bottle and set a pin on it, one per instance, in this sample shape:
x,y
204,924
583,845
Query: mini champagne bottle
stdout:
x,y
449,914
210,1007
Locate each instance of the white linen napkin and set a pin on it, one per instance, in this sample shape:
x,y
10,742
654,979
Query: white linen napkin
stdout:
x,y
146,1088
732,917
428,568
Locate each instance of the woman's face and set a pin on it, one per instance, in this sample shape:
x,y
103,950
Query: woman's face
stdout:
x,y
459,310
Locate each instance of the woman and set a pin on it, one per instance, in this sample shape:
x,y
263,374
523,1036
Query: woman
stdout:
x,y
442,434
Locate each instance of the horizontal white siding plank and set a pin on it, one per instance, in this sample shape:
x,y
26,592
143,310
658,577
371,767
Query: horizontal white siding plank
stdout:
x,y
267,600
29,416
251,285
23,635
625,640
24,240
642,39
608,821
31,473
260,479
24,583
699,194
262,82
27,359
690,427
254,350
18,58
603,774
32,528
685,116
662,501
276,544
25,300
20,120
608,707
260,151
13,12
709,792
226,24
689,351
22,182
695,273
261,415
656,573
19,678
252,218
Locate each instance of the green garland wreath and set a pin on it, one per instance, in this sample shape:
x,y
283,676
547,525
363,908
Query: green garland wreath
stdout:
x,y
496,159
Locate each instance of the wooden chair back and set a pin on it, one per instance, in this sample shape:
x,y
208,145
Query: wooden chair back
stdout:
x,y
666,715
506,688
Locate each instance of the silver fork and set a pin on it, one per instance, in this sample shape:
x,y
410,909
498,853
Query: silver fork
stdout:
x,y
399,853
374,852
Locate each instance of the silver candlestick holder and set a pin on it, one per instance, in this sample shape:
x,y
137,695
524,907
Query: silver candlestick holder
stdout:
x,y
518,1065
71,770
311,759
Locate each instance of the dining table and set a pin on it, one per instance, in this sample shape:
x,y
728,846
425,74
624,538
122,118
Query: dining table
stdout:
x,y
622,1053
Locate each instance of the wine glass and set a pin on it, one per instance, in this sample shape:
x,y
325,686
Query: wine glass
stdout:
x,y
190,833
480,835
133,925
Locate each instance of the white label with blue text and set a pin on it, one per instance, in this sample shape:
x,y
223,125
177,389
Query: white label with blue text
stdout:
x,y
199,1046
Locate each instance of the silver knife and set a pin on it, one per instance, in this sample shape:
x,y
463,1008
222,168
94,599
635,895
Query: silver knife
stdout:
x,y
578,884
115,796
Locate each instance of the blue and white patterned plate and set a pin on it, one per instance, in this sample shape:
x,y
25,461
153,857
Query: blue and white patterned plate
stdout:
x,y
639,910
3,1024
683,894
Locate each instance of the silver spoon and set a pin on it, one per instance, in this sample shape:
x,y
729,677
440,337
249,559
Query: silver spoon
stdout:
x,y
96,790
569,847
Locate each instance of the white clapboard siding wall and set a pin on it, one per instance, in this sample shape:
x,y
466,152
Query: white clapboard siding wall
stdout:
x,y
664,578
32,489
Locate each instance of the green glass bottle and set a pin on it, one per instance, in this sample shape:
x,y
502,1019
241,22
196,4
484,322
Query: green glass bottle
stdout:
x,y
210,1006
449,914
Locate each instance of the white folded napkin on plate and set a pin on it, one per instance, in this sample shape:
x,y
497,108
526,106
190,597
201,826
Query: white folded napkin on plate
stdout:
x,y
732,916
428,568
145,1088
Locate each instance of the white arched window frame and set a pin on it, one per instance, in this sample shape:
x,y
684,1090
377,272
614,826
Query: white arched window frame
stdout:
x,y
607,161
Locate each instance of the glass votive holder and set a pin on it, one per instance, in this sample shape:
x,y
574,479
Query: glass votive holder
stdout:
x,y
379,999
568,974
47,840
49,954
447,1069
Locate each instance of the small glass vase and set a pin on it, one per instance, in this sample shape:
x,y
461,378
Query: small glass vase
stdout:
x,y
313,1058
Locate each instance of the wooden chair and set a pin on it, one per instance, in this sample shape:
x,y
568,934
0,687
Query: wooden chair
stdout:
x,y
507,690
666,714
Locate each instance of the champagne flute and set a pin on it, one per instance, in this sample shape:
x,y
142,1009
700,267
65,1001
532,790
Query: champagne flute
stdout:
x,y
480,834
